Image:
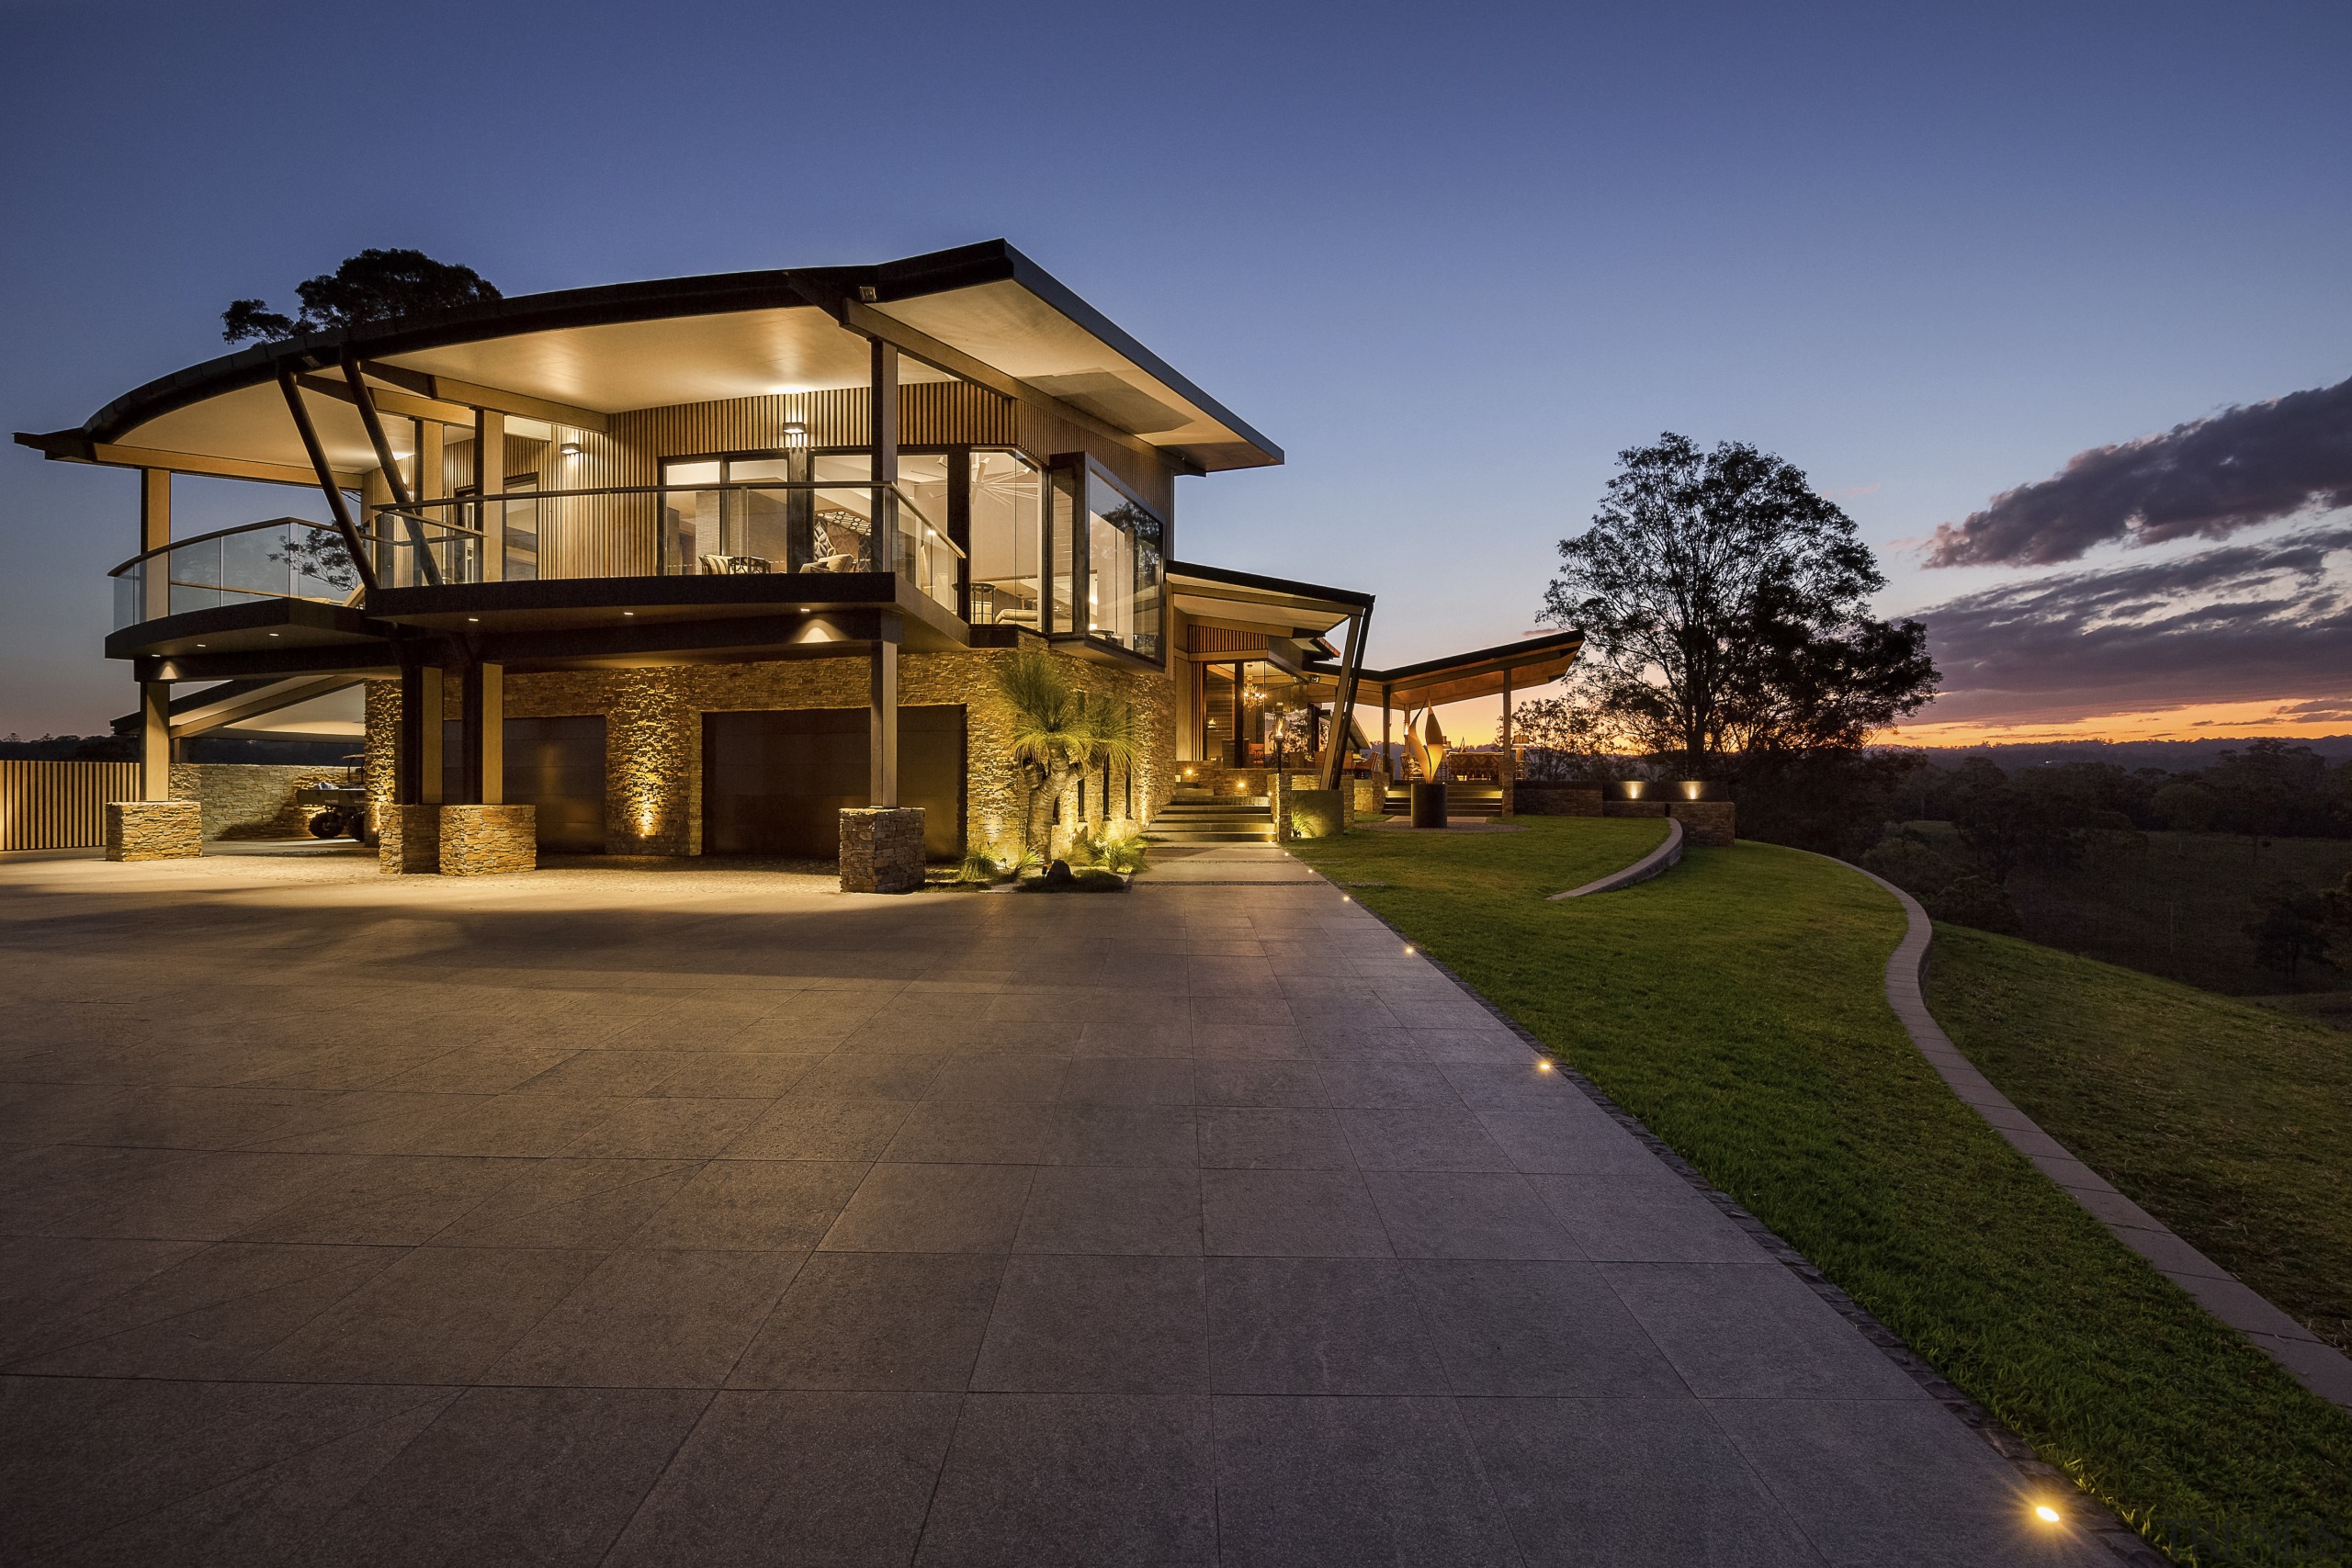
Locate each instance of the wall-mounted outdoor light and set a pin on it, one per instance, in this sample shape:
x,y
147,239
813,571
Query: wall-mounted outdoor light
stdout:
x,y
570,448
795,433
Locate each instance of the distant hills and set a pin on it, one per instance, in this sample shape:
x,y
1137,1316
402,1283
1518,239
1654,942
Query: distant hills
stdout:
x,y
2173,756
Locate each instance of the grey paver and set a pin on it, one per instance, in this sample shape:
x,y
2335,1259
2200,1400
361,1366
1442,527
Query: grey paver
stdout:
x,y
663,1218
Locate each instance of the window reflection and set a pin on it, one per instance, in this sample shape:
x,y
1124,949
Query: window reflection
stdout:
x,y
1123,570
1007,493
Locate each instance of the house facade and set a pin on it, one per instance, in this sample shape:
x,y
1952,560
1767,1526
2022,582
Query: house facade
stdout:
x,y
696,565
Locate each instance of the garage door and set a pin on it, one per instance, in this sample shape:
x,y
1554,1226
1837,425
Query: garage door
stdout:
x,y
555,764
775,783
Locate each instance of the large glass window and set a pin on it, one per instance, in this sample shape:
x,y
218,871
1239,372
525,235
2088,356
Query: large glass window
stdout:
x,y
1008,493
1123,570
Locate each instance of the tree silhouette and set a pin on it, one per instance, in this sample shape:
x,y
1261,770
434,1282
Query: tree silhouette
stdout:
x,y
374,286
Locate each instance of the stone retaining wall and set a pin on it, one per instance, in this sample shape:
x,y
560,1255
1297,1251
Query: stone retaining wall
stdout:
x,y
249,800
1558,799
1703,821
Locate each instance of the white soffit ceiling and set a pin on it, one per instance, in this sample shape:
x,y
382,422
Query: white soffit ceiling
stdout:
x,y
1004,325
683,359
628,364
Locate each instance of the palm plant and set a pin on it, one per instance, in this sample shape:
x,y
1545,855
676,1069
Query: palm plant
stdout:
x,y
1059,732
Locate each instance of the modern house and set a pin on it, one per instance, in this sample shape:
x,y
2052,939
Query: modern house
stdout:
x,y
694,566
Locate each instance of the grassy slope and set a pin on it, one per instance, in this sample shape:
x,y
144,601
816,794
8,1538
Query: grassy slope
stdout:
x,y
1736,1006
2231,1124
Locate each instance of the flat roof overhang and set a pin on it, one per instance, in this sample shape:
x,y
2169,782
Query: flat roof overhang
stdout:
x,y
572,357
1276,605
1464,677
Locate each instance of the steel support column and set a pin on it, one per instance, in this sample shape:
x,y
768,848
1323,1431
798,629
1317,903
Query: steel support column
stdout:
x,y
337,503
482,733
882,717
155,740
882,416
420,734
155,533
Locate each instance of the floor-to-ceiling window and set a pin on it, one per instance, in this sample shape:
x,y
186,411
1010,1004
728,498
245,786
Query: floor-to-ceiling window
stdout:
x,y
1007,523
1123,569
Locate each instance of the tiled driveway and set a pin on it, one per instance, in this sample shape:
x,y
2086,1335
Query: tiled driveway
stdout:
x,y
605,1217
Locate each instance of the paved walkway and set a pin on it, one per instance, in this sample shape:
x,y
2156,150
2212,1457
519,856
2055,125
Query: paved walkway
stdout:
x,y
606,1217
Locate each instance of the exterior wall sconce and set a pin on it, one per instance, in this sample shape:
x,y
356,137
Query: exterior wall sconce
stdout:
x,y
570,448
795,433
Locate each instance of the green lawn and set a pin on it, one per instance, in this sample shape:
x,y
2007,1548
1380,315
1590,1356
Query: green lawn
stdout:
x,y
2231,1124
1736,1006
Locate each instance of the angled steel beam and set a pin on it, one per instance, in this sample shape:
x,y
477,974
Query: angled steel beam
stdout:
x,y
1335,749
402,496
336,502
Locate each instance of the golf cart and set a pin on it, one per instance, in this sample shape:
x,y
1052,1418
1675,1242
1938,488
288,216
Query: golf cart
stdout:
x,y
339,810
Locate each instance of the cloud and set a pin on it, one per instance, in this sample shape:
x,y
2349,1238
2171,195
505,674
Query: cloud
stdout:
x,y
2247,465
2267,620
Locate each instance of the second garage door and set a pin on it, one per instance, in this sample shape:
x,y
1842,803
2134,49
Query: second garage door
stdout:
x,y
775,782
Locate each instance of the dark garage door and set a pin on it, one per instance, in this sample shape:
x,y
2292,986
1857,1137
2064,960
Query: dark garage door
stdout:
x,y
555,764
775,783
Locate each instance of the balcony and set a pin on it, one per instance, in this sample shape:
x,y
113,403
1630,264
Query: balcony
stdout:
x,y
285,558
751,529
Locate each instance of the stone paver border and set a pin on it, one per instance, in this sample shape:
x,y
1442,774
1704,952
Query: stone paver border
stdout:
x,y
1651,864
2315,1364
2098,1522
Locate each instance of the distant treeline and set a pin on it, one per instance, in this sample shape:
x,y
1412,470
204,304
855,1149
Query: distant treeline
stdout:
x,y
199,748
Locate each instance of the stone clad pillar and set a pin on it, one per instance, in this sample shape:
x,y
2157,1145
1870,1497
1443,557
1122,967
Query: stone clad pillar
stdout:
x,y
881,848
155,829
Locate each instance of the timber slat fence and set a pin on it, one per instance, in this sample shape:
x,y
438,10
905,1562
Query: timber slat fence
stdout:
x,y
60,806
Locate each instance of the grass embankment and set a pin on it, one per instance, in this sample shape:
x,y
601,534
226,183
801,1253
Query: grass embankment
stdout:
x,y
2230,1123
1735,1005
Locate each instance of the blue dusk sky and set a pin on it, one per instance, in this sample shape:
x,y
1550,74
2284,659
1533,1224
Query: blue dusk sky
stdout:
x,y
1451,258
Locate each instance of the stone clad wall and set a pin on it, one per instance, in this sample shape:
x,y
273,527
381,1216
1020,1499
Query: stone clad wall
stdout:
x,y
251,800
653,732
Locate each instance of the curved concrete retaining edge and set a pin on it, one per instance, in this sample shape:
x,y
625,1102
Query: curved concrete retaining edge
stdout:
x,y
2315,1364
1642,870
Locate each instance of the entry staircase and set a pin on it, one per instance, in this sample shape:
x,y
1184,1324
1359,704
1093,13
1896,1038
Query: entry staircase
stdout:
x,y
1197,817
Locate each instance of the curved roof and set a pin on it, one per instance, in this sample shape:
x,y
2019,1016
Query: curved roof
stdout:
x,y
632,345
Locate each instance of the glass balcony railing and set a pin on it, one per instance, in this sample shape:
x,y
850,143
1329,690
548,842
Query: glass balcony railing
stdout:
x,y
759,528
286,558
643,531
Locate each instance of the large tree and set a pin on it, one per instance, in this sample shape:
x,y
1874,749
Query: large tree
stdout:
x,y
1725,608
374,286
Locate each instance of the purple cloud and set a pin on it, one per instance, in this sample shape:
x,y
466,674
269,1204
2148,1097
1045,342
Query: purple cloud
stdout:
x,y
2247,465
2268,621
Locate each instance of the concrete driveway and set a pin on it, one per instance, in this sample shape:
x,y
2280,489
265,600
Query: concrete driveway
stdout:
x,y
603,1216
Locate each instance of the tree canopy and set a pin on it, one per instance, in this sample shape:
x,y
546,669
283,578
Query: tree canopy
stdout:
x,y
374,286
1726,609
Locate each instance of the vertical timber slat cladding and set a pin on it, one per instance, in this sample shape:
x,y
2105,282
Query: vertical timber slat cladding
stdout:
x,y
48,805
1208,641
1043,434
653,724
774,781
